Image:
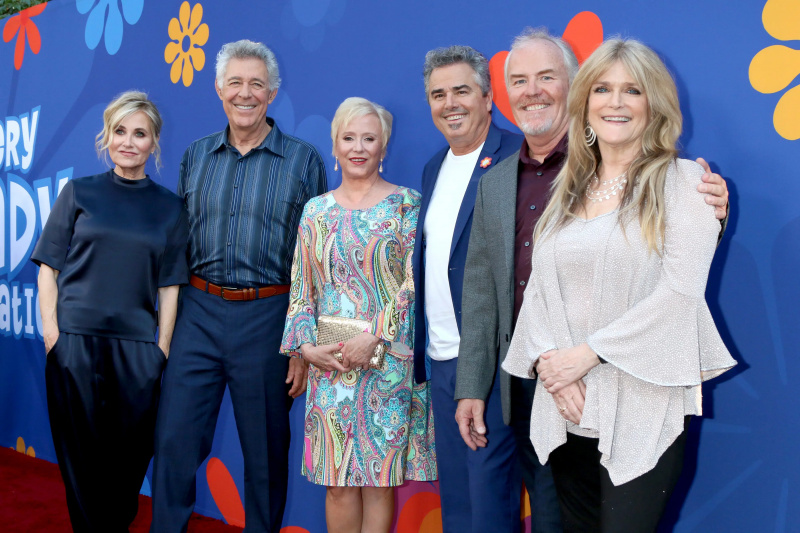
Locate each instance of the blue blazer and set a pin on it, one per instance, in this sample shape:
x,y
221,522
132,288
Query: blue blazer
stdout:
x,y
499,145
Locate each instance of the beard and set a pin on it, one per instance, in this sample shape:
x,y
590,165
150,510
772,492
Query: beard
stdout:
x,y
536,128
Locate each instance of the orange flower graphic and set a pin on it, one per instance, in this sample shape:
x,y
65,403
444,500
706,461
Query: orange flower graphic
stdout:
x,y
21,25
188,36
773,68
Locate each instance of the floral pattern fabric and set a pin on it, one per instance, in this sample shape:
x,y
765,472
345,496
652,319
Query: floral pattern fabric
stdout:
x,y
373,427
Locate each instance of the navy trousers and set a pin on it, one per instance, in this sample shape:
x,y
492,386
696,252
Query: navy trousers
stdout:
x,y
102,397
219,343
480,490
538,478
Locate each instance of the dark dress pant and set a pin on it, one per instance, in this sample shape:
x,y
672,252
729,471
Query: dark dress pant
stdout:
x,y
591,503
480,490
538,478
219,343
102,398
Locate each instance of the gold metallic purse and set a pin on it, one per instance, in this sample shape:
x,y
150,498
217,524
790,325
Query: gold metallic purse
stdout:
x,y
336,329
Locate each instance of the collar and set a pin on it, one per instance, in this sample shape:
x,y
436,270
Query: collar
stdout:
x,y
272,142
560,150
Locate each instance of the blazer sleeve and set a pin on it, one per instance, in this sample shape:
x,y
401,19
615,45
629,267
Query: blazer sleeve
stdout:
x,y
478,350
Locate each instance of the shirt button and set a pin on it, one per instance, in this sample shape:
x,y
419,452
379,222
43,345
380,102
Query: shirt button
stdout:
x,y
522,283
527,244
229,243
235,186
539,173
231,213
533,207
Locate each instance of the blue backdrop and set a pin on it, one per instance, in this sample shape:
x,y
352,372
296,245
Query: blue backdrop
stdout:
x,y
60,67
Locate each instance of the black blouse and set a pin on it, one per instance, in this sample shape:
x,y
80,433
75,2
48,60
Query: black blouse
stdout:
x,y
115,242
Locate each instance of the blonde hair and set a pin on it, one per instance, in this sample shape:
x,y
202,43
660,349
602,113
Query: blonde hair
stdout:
x,y
120,108
645,191
356,107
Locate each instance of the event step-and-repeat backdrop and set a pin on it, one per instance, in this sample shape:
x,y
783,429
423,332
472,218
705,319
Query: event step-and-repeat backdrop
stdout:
x,y
736,66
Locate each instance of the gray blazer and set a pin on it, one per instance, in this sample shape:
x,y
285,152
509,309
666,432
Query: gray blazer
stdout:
x,y
488,296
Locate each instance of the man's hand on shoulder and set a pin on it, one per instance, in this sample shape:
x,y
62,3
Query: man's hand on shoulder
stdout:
x,y
715,189
469,417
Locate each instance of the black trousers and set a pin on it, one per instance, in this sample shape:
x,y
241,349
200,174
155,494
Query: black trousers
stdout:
x,y
591,503
545,510
102,398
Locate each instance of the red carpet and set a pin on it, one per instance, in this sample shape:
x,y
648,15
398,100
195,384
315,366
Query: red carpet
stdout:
x,y
32,500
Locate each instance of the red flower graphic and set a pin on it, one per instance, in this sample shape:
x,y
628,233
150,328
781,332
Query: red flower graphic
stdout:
x,y
22,23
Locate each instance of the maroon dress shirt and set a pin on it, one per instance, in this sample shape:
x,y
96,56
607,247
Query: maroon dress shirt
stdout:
x,y
533,191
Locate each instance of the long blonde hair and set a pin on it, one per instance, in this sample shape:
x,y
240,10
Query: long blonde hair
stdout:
x,y
645,191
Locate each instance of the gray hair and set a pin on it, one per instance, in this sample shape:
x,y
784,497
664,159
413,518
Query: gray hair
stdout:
x,y
245,49
355,107
121,107
529,35
443,57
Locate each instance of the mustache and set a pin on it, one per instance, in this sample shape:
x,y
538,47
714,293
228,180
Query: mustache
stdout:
x,y
532,101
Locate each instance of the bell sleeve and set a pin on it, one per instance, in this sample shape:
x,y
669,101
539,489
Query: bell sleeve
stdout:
x,y
532,334
669,338
301,317
54,243
395,322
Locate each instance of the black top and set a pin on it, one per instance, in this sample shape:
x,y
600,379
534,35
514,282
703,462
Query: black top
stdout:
x,y
115,241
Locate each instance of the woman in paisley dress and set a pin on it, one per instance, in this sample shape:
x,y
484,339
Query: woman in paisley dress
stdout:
x,y
366,430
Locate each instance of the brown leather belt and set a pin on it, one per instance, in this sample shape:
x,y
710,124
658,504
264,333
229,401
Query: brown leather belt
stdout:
x,y
237,295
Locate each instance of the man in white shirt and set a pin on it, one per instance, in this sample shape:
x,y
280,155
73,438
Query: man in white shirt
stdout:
x,y
480,490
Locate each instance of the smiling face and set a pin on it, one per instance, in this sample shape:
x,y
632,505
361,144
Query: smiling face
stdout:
x,y
131,144
359,147
459,108
538,83
245,94
617,110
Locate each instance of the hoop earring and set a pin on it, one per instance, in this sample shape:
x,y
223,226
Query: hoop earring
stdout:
x,y
336,165
589,135
380,169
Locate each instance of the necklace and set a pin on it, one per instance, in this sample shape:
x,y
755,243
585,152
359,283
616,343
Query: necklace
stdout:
x,y
614,186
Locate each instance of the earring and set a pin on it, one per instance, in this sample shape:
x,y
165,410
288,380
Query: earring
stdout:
x,y
336,165
380,169
589,135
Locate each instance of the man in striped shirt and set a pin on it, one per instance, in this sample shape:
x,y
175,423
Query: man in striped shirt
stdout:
x,y
244,189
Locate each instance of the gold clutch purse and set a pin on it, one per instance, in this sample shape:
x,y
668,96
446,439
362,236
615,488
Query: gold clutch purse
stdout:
x,y
336,329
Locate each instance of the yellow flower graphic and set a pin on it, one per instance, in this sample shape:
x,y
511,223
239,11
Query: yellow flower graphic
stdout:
x,y
22,449
184,52
774,67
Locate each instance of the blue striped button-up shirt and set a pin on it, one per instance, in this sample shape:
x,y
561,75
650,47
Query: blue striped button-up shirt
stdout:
x,y
244,210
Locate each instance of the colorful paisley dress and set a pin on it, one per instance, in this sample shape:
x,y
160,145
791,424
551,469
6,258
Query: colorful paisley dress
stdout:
x,y
364,428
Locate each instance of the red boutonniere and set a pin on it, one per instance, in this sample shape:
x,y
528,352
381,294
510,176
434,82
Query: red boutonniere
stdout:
x,y
486,161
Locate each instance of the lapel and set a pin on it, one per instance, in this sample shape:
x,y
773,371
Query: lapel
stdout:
x,y
429,176
487,160
506,197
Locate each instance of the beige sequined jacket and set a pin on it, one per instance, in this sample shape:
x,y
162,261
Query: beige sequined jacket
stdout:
x,y
647,318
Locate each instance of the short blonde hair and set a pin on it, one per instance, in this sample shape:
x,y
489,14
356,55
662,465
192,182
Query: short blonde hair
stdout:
x,y
356,107
120,108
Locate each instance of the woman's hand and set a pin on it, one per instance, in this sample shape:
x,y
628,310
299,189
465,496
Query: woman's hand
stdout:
x,y
559,368
570,401
50,338
48,297
359,350
322,357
